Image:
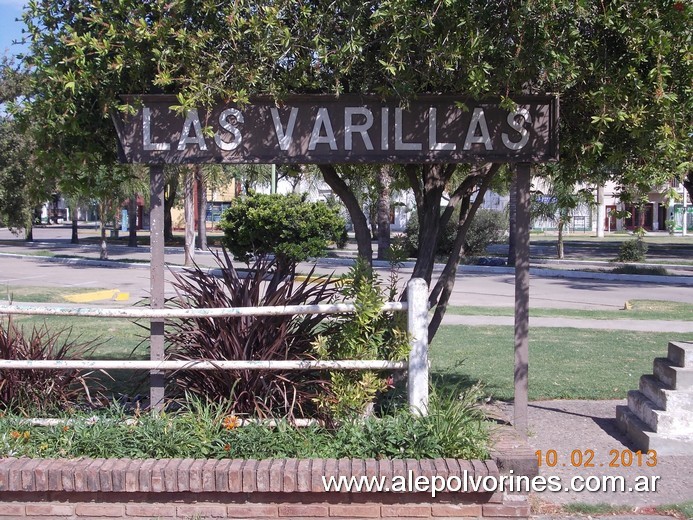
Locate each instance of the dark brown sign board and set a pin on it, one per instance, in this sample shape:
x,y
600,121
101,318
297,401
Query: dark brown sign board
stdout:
x,y
346,129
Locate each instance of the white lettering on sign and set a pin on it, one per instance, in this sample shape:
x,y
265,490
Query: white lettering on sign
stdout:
x,y
433,143
478,121
284,137
229,127
399,139
518,126
147,132
192,120
322,120
385,129
359,127
350,128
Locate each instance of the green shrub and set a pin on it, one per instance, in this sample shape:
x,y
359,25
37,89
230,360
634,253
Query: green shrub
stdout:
x,y
454,428
633,250
41,391
488,227
638,269
286,226
367,334
248,392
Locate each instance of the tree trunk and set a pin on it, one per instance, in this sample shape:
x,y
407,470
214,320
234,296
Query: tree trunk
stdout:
x,y
75,226
384,180
170,195
201,209
132,221
103,252
561,225
373,219
189,217
358,218
688,184
601,211
440,295
512,207
429,223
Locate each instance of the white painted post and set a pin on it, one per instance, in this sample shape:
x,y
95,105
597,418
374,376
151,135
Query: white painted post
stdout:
x,y
417,313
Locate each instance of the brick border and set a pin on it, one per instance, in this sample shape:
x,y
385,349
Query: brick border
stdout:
x,y
235,488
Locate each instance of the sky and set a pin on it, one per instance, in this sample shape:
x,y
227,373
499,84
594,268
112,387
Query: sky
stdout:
x,y
10,30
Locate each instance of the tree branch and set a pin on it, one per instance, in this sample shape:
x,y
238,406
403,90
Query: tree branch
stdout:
x,y
358,218
443,289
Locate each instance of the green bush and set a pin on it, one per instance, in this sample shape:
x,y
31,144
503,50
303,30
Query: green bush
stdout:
x,y
369,333
286,226
633,250
488,227
454,428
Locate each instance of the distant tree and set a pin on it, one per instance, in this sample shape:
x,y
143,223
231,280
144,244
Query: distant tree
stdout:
x,y
560,201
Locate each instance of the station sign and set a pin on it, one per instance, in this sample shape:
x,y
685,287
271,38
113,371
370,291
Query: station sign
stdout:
x,y
345,129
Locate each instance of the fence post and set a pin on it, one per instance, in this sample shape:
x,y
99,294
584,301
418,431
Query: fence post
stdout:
x,y
156,212
417,325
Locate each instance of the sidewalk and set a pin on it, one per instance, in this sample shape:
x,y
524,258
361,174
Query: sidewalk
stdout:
x,y
571,428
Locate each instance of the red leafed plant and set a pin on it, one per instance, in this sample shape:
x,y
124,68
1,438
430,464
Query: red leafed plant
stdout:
x,y
249,392
40,391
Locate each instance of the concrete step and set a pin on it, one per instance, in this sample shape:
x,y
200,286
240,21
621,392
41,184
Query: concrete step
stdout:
x,y
681,353
673,376
657,420
644,439
665,397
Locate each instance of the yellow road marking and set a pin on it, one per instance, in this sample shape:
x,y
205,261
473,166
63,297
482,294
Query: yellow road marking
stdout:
x,y
93,296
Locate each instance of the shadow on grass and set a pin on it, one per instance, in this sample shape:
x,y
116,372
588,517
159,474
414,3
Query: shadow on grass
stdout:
x,y
448,383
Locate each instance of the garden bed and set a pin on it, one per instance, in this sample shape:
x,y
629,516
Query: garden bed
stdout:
x,y
236,488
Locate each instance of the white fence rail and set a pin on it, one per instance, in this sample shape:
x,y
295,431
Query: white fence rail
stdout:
x,y
417,365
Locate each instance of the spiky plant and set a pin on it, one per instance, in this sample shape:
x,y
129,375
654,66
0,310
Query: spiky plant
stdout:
x,y
40,391
252,392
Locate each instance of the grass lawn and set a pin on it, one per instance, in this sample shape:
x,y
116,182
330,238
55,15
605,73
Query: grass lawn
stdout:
x,y
642,310
563,363
40,294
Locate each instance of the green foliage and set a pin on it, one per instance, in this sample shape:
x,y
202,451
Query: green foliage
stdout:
x,y
14,206
201,429
487,227
642,270
632,250
41,391
284,225
369,333
249,392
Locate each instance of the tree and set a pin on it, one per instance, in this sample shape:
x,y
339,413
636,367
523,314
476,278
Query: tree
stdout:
x,y
22,186
623,71
560,200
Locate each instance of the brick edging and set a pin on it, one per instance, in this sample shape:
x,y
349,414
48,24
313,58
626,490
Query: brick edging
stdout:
x,y
212,475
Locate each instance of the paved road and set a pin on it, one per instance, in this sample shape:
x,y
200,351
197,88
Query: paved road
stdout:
x,y
471,288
